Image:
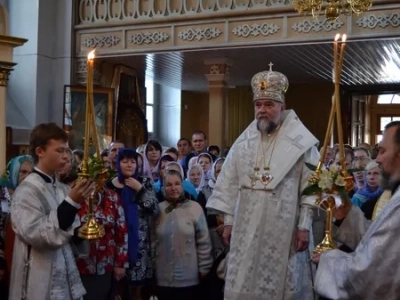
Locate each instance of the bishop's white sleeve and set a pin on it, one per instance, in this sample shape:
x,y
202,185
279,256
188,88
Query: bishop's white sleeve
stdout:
x,y
307,203
226,189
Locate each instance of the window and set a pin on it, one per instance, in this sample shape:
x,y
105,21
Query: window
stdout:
x,y
383,121
150,104
389,99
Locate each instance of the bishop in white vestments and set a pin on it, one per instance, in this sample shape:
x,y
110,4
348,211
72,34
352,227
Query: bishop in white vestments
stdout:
x,y
372,271
259,193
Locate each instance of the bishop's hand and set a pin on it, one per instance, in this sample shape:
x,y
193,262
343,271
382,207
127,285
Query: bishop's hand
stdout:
x,y
302,240
226,235
316,257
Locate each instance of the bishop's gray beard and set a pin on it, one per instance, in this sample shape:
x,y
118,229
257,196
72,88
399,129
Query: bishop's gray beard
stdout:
x,y
266,126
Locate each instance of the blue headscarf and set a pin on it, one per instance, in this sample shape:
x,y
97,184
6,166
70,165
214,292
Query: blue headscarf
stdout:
x,y
11,177
130,207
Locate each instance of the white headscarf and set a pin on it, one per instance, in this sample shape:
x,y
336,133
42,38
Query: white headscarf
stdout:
x,y
202,180
207,175
213,179
174,163
192,161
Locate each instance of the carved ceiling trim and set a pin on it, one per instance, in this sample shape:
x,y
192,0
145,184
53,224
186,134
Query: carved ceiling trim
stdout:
x,y
236,32
95,13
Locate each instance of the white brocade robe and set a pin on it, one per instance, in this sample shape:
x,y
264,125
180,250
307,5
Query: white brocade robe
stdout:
x,y
43,265
263,264
372,271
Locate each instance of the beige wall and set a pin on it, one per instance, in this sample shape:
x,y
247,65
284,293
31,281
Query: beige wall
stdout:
x,y
194,113
311,103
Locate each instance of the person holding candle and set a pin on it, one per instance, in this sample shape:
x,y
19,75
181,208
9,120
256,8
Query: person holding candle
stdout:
x,y
44,217
257,192
372,271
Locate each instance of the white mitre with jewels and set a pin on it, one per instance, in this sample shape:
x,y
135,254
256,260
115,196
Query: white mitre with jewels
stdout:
x,y
269,85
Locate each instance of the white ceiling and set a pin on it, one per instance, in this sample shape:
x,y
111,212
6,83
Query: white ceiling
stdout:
x,y
366,63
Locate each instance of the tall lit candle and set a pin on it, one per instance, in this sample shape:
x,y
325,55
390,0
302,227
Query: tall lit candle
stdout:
x,y
338,109
342,48
335,58
89,94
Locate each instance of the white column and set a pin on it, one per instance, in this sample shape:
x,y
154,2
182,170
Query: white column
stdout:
x,y
7,43
36,89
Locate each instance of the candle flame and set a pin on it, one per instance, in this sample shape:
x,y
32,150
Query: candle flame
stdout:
x,y
91,54
337,37
344,37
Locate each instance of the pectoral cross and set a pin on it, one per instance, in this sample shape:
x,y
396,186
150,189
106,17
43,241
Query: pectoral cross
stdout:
x,y
294,142
264,177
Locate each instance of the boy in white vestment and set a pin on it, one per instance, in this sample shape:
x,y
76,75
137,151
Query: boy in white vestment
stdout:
x,y
44,216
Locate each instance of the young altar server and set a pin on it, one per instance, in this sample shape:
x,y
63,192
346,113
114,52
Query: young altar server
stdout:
x,y
44,216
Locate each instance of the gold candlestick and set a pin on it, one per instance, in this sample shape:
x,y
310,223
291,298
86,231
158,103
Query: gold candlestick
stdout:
x,y
329,203
91,229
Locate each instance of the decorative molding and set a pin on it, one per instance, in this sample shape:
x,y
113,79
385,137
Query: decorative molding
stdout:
x,y
317,25
264,29
148,38
5,70
101,41
384,20
199,34
93,12
217,33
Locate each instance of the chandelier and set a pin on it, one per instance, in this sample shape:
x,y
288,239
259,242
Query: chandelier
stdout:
x,y
333,8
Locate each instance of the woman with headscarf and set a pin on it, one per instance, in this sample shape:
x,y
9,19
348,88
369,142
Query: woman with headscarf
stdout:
x,y
140,205
196,176
151,157
69,174
215,222
371,190
205,161
182,244
188,187
17,170
106,258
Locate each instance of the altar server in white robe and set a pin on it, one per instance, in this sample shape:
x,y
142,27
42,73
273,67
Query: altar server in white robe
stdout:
x,y
259,193
372,271
43,216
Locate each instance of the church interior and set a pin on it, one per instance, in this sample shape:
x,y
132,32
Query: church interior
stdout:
x,y
168,70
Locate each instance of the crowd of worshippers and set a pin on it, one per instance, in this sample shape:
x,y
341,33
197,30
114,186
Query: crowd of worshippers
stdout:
x,y
366,191
165,243
160,240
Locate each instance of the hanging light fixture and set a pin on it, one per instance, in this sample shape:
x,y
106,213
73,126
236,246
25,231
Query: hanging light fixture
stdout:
x,y
333,8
